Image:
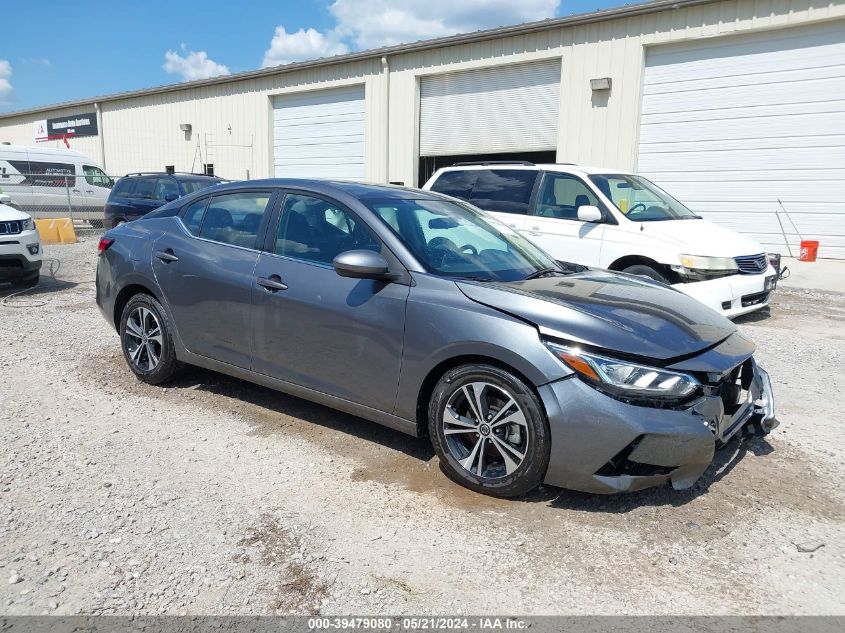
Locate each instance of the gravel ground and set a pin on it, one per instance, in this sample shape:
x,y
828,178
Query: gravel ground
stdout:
x,y
215,496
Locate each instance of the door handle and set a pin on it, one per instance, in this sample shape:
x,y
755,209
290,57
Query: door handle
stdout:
x,y
273,283
75,190
166,256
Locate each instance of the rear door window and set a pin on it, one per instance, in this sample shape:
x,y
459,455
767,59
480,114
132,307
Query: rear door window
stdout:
x,y
192,216
165,187
145,189
235,218
504,190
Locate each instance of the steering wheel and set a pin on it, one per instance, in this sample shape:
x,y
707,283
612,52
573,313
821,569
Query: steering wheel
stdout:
x,y
470,248
632,209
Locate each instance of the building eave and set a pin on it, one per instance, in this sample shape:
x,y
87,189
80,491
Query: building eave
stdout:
x,y
655,6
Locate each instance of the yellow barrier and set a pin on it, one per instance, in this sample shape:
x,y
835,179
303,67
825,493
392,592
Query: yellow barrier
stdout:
x,y
56,231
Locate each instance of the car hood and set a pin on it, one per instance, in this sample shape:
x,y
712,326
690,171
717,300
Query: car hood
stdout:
x,y
700,237
10,214
612,311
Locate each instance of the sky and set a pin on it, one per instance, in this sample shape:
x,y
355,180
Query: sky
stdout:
x,y
52,52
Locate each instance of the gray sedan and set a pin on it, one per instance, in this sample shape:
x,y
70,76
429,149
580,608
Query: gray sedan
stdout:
x,y
420,312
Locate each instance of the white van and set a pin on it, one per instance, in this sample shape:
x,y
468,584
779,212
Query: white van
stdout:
x,y
46,182
605,218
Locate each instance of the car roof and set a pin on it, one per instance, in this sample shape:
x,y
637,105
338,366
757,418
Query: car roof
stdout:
x,y
178,176
359,190
566,168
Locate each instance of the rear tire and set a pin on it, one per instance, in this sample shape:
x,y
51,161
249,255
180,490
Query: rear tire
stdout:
x,y
29,282
489,430
647,271
146,341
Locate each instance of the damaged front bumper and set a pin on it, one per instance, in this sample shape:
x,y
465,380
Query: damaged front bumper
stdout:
x,y
604,445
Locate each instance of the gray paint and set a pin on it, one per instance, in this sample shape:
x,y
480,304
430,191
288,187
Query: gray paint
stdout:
x,y
368,346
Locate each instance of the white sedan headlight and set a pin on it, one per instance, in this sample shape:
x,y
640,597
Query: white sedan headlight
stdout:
x,y
699,262
27,225
624,378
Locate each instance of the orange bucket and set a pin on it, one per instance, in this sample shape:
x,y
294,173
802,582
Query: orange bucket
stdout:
x,y
809,250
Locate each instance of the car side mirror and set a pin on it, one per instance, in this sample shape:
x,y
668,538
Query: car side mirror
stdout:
x,y
170,197
361,264
589,213
5,199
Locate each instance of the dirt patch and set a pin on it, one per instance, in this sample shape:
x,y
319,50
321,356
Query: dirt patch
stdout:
x,y
298,589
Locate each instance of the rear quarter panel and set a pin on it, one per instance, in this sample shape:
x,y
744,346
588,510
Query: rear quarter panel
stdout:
x,y
126,262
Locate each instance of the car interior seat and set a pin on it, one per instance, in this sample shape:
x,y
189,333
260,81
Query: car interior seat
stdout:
x,y
217,224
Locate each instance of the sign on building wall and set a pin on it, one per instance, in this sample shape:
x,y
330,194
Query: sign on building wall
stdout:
x,y
62,127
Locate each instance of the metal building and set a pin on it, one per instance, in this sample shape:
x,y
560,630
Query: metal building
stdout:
x,y
730,105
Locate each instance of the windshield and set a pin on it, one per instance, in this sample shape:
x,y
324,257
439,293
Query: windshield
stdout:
x,y
641,200
453,240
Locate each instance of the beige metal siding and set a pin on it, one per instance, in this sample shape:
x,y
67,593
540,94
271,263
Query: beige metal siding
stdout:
x,y
21,131
594,128
142,132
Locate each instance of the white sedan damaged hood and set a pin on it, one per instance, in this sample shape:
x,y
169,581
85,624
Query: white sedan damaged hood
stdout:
x,y
700,237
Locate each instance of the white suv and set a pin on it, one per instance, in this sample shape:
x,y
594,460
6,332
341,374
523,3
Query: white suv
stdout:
x,y
20,248
608,219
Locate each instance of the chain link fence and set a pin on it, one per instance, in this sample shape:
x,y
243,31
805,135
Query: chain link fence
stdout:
x,y
82,198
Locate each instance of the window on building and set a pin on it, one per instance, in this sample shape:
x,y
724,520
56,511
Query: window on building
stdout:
x,y
235,218
208,169
170,169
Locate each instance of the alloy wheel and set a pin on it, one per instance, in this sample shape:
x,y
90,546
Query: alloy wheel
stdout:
x,y
143,339
485,430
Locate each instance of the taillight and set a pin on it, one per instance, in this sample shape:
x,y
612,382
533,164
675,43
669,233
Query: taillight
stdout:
x,y
104,244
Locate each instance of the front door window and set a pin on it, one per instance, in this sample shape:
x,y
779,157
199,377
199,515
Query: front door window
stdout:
x,y
561,195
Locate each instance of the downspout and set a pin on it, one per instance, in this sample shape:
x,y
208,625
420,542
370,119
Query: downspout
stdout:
x,y
386,72
100,134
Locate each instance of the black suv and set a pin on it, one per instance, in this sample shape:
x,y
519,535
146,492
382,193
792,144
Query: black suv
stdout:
x,y
135,195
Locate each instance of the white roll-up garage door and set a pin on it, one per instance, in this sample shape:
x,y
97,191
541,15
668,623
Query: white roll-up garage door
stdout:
x,y
320,134
731,125
502,109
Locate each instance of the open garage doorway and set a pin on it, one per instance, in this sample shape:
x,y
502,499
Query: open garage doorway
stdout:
x,y
430,164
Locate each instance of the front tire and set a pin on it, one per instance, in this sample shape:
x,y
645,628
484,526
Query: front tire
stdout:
x,y
146,341
489,430
647,271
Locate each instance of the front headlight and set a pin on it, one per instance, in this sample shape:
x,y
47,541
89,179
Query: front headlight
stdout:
x,y
27,225
624,378
699,262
